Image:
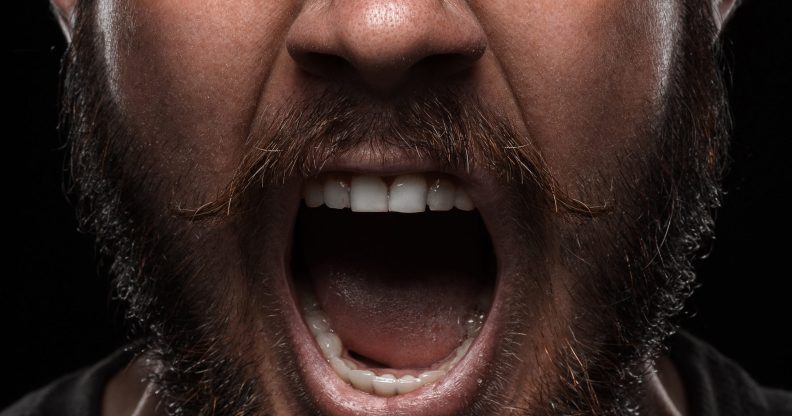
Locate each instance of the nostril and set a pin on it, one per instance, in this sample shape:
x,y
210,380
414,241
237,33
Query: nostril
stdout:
x,y
325,66
341,42
443,65
334,68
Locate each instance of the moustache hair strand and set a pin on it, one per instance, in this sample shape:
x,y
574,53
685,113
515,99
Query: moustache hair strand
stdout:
x,y
439,125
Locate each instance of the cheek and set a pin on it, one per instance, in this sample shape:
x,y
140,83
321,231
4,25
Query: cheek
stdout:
x,y
587,74
188,75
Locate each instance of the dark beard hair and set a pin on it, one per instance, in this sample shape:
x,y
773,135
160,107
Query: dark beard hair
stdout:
x,y
663,228
662,215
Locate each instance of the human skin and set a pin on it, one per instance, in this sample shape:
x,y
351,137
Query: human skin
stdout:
x,y
191,76
198,71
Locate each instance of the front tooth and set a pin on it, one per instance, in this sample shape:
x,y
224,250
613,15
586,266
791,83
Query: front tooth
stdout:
x,y
441,195
313,194
368,194
428,377
458,353
454,358
462,200
317,323
341,368
336,192
350,364
384,385
408,194
407,384
330,344
362,380
461,351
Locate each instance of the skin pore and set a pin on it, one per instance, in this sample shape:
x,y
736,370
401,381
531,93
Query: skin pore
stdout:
x,y
187,83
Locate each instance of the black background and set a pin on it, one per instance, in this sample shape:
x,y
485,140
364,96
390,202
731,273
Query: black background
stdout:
x,y
57,314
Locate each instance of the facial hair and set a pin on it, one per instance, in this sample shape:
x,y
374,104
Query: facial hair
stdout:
x,y
632,259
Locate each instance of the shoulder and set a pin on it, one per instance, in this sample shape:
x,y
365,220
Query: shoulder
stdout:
x,y
716,385
79,393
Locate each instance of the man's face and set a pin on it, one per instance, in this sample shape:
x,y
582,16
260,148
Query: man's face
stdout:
x,y
562,157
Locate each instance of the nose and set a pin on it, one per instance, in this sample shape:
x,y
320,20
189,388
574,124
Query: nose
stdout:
x,y
383,43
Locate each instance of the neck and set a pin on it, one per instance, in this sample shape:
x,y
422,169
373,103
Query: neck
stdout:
x,y
129,393
665,395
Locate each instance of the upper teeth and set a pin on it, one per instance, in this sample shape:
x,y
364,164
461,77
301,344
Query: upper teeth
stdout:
x,y
367,193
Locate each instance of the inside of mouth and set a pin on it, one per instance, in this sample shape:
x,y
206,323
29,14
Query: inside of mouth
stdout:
x,y
391,298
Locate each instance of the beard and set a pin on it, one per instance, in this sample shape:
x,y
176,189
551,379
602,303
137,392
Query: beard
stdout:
x,y
630,254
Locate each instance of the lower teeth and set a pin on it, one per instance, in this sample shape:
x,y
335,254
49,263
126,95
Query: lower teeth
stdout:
x,y
367,380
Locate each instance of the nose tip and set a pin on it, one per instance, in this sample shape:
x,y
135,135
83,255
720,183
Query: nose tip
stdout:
x,y
381,43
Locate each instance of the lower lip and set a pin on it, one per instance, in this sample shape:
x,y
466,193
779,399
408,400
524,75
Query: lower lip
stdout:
x,y
333,396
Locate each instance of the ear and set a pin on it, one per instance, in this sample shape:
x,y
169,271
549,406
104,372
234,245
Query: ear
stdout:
x,y
64,11
724,9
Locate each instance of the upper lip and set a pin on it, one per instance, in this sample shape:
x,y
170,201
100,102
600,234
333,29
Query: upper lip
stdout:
x,y
461,384
479,182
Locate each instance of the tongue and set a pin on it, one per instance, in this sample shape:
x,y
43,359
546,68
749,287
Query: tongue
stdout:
x,y
397,288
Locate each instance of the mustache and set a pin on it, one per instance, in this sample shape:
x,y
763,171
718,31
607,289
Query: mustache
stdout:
x,y
445,126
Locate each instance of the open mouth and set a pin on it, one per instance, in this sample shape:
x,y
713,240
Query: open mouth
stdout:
x,y
393,278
